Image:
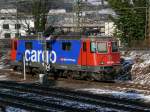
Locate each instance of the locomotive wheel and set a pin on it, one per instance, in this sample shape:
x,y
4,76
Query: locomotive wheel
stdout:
x,y
104,77
56,77
18,68
35,71
112,77
28,70
89,77
70,75
77,75
97,76
15,68
55,74
109,76
83,75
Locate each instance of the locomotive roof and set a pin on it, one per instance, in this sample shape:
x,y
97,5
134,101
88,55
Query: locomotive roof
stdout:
x,y
68,36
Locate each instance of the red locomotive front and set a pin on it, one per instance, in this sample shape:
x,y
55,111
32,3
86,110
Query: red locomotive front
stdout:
x,y
100,54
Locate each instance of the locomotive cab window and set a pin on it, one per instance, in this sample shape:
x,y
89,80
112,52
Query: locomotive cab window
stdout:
x,y
102,47
93,47
28,45
48,46
114,47
66,46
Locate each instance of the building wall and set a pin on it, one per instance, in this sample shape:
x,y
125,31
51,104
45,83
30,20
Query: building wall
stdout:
x,y
109,28
12,30
90,19
9,17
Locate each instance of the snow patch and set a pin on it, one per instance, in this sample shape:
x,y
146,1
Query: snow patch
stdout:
x,y
140,66
3,77
132,95
12,109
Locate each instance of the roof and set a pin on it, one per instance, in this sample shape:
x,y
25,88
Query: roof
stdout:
x,y
12,11
69,36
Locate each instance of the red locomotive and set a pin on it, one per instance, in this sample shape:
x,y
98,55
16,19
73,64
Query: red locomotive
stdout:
x,y
91,57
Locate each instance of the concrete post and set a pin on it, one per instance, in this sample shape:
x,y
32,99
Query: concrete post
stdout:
x,y
24,68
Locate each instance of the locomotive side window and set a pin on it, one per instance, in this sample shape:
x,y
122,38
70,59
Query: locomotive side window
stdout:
x,y
93,47
48,46
84,46
114,47
102,47
66,46
28,45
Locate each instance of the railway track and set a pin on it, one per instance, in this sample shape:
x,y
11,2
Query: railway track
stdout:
x,y
34,105
145,89
54,97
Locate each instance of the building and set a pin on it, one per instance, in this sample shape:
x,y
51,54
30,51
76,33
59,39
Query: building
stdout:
x,y
13,24
90,19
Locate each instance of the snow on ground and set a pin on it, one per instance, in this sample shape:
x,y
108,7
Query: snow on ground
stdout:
x,y
1,66
64,102
3,77
12,109
140,69
119,94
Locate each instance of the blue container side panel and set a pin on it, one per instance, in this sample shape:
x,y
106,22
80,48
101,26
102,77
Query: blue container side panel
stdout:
x,y
58,55
21,48
67,57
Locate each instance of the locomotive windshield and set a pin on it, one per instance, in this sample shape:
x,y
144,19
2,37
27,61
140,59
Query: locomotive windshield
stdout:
x,y
102,47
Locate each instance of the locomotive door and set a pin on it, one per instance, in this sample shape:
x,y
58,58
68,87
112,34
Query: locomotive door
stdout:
x,y
84,54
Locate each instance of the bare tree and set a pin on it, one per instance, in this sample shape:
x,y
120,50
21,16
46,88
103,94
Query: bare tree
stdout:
x,y
39,12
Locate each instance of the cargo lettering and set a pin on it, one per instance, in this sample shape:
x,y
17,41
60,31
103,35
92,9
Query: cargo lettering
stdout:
x,y
40,56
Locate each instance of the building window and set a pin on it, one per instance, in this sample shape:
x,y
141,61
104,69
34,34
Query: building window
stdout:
x,y
102,30
17,34
7,35
17,26
5,26
66,46
28,45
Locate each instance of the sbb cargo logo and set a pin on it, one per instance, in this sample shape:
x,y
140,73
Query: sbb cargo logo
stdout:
x,y
40,56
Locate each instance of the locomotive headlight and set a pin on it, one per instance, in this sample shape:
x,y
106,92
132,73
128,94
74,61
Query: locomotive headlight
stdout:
x,y
102,63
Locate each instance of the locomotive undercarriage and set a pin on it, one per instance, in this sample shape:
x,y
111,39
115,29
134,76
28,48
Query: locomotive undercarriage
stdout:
x,y
70,74
85,75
